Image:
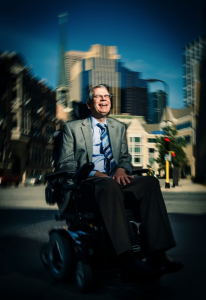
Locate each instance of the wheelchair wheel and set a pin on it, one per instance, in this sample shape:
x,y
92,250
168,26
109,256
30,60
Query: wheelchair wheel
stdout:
x,y
84,277
61,257
44,255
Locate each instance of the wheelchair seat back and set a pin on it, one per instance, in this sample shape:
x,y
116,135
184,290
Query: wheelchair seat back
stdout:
x,y
63,187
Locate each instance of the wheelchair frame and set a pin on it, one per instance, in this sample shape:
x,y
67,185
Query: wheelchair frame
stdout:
x,y
82,246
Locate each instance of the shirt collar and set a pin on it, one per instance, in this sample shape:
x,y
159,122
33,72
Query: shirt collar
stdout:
x,y
94,121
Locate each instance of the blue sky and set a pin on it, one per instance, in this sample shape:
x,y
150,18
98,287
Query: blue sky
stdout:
x,y
149,36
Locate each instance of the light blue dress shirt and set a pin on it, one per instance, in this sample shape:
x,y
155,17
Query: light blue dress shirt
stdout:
x,y
98,158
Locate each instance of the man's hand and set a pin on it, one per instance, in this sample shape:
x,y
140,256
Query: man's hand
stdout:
x,y
121,177
100,174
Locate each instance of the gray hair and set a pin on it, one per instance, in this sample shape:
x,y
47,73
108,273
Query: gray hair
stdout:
x,y
91,91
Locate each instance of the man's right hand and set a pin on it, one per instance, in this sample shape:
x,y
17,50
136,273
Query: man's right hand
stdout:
x,y
100,174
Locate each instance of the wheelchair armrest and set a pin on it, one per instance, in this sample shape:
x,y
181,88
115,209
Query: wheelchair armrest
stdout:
x,y
139,171
59,174
83,172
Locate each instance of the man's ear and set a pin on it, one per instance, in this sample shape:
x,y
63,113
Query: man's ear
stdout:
x,y
89,104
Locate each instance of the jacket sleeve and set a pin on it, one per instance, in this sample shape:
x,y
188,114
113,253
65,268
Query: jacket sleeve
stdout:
x,y
124,158
66,157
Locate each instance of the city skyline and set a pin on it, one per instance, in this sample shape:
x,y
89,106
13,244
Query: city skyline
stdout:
x,y
150,37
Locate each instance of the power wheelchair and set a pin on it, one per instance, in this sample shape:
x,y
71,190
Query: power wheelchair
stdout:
x,y
82,245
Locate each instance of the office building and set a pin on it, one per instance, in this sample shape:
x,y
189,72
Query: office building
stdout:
x,y
27,120
157,103
62,96
193,54
134,93
71,57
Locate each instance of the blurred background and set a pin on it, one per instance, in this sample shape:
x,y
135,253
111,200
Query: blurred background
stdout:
x,y
150,55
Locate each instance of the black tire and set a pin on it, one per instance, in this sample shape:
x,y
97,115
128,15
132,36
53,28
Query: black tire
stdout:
x,y
44,255
61,257
84,277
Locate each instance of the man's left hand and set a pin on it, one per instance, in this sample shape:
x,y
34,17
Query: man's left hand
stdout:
x,y
121,177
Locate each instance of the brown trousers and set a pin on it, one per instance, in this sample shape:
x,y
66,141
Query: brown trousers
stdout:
x,y
147,201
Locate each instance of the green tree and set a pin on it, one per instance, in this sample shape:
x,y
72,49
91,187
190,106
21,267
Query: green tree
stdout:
x,y
176,144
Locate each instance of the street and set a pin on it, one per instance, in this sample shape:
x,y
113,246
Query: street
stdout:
x,y
25,220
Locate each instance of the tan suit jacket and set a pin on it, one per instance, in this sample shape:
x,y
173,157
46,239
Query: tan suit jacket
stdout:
x,y
76,147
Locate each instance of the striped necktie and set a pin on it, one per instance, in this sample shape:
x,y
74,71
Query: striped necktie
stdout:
x,y
106,146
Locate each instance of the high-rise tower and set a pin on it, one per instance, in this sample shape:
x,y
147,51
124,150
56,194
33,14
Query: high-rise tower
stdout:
x,y
157,104
62,92
71,57
134,93
193,54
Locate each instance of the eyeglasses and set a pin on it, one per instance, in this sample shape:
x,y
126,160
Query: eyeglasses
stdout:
x,y
107,97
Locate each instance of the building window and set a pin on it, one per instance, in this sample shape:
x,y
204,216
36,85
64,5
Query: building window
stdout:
x,y
151,155
137,159
183,125
36,129
137,139
13,120
151,160
188,171
26,123
187,139
135,149
151,140
36,155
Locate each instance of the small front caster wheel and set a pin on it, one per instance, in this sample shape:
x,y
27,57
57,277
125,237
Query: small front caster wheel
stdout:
x,y
84,277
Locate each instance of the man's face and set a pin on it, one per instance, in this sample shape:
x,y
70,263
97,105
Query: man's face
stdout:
x,y
100,106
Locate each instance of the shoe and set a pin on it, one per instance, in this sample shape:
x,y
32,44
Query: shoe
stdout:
x,y
138,270
166,263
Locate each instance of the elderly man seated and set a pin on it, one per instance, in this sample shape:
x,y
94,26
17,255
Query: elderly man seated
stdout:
x,y
102,140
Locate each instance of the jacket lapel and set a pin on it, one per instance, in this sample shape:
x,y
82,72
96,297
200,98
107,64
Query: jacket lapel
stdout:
x,y
87,132
113,136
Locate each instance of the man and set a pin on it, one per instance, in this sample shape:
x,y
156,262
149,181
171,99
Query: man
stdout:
x,y
102,140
